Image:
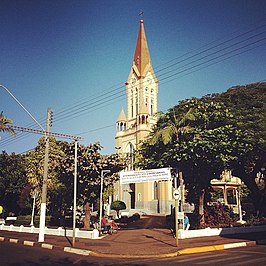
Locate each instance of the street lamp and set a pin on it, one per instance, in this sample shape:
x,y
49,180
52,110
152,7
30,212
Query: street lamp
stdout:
x,y
103,172
20,104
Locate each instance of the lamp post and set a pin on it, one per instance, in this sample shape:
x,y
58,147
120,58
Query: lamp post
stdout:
x,y
103,172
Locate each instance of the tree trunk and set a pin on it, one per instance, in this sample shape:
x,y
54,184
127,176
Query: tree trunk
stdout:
x,y
201,207
87,217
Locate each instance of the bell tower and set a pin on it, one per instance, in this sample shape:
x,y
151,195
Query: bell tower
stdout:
x,y
142,99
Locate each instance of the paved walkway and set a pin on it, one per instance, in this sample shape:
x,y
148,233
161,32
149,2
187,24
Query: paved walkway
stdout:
x,y
144,238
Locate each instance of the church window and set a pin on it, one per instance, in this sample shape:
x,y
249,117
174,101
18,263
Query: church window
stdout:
x,y
137,105
151,106
132,108
139,196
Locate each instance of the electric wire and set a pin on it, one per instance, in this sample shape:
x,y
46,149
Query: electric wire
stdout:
x,y
108,96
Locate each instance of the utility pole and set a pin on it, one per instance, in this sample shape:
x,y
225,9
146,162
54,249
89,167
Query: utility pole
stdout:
x,y
45,175
181,183
103,172
176,196
75,195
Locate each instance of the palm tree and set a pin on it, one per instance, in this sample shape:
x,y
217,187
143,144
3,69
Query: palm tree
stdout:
x,y
5,125
172,127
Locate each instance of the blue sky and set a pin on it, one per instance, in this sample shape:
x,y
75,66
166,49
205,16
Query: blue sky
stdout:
x,y
67,54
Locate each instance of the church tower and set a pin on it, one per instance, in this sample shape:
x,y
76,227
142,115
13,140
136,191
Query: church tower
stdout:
x,y
142,95
136,124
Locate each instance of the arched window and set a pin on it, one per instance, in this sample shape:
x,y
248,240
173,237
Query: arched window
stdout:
x,y
137,105
139,196
142,119
132,108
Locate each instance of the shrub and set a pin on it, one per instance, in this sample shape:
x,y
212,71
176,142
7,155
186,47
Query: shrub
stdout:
x,y
219,216
118,205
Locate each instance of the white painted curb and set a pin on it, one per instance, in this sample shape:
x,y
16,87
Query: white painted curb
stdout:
x,y
77,251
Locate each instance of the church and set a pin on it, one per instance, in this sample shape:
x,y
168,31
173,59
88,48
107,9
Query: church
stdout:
x,y
134,126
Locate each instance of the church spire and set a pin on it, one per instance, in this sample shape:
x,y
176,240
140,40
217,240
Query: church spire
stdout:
x,y
142,56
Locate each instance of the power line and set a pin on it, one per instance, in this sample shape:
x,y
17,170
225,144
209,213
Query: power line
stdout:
x,y
83,108
104,99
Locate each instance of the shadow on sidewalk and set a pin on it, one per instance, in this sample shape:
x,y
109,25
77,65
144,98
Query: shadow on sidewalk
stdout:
x,y
158,240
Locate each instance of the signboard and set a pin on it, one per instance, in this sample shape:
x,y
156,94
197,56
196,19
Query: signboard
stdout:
x,y
145,176
176,194
181,215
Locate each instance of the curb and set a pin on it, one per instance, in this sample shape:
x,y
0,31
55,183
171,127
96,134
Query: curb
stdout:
x,y
216,247
85,252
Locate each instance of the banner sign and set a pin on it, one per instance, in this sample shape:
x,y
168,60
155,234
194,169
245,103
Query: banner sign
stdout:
x,y
145,176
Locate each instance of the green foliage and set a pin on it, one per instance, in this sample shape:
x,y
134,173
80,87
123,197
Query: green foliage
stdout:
x,y
35,169
203,137
4,125
90,164
12,180
26,219
219,216
118,205
248,104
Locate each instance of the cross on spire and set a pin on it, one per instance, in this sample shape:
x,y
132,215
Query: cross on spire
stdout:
x,y
141,14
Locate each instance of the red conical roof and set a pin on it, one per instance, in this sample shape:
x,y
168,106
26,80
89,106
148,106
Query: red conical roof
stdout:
x,y
142,55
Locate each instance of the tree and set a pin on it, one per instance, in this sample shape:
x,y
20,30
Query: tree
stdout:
x,y
201,143
248,104
118,205
35,167
12,180
90,163
5,125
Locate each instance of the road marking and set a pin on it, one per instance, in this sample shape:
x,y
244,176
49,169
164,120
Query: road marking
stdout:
x,y
2,238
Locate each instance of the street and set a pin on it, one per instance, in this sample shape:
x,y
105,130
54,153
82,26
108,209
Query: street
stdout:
x,y
13,254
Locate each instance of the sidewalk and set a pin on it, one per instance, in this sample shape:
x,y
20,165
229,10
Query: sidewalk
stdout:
x,y
145,238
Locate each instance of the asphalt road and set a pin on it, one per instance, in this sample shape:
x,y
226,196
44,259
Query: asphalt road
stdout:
x,y
18,255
